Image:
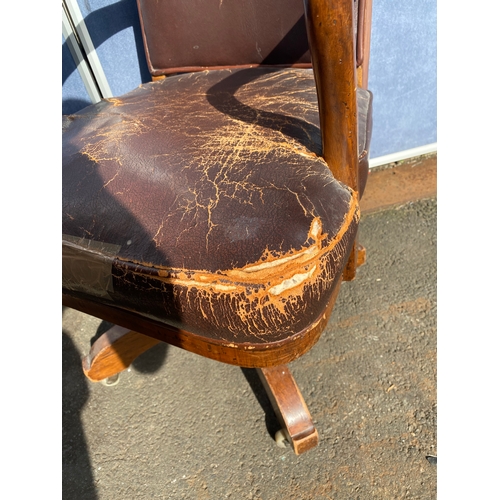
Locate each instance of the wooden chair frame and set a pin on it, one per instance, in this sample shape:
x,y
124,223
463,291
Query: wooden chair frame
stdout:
x,y
338,70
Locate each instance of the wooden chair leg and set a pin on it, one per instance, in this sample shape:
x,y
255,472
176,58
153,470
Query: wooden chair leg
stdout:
x,y
352,263
357,258
289,407
114,351
361,257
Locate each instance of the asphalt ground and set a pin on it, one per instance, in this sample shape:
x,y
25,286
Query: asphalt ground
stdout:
x,y
179,426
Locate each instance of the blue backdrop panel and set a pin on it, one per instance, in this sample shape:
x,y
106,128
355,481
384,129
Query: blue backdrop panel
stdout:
x,y
116,34
402,66
403,75
74,94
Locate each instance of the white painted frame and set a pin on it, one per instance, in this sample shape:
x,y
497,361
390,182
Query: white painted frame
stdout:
x,y
403,155
96,70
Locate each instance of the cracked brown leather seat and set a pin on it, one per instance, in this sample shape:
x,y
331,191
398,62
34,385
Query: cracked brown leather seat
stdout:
x,y
199,209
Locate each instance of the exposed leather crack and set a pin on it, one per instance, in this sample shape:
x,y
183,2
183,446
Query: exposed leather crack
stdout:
x,y
265,292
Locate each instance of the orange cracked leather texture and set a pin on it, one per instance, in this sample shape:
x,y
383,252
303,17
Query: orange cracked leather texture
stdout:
x,y
223,218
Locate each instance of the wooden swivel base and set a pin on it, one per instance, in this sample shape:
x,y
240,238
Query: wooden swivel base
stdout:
x,y
290,407
116,349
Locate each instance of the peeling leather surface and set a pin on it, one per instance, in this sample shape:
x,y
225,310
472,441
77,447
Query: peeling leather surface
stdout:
x,y
228,222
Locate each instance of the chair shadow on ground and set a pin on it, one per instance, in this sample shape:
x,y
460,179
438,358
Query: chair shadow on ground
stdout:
x,y
253,379
77,476
77,473
153,359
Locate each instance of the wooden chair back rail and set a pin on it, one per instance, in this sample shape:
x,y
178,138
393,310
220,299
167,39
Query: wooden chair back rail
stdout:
x,y
330,28
329,25
363,42
360,34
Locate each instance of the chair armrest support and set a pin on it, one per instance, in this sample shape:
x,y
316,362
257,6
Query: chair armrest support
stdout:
x,y
330,30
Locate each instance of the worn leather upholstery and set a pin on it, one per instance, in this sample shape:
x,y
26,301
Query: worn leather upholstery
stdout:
x,y
215,33
201,200
182,36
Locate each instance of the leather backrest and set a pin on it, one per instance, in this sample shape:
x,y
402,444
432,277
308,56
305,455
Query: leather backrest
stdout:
x,y
191,35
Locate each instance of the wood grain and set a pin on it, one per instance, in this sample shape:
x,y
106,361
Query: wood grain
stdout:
x,y
330,32
246,355
114,351
290,407
364,38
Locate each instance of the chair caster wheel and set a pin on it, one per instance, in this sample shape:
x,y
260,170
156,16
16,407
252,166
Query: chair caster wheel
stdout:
x,y
281,439
113,380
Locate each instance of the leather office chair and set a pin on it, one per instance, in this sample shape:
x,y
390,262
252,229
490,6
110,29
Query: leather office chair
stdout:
x,y
216,208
